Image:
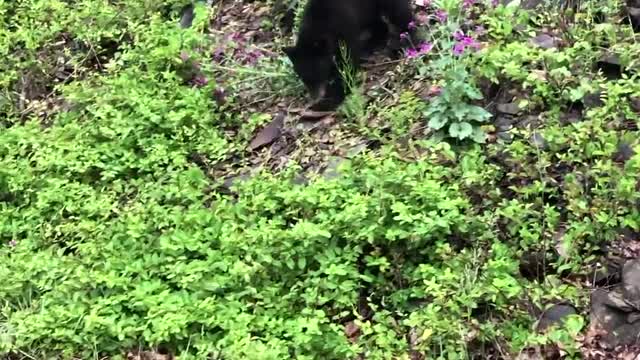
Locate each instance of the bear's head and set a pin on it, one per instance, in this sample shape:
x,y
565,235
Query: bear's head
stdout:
x,y
313,63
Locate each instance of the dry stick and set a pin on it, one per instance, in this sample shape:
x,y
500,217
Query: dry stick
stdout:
x,y
259,101
383,63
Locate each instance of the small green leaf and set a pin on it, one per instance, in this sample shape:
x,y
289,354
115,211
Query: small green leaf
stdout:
x,y
479,136
437,122
460,130
290,264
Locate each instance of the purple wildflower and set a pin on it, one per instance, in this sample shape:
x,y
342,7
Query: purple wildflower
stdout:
x,y
412,25
404,36
249,57
435,90
467,41
463,42
218,53
422,18
458,49
458,35
468,3
494,3
441,15
423,49
237,36
426,47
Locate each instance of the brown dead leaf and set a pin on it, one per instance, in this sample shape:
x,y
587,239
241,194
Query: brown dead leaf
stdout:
x,y
352,330
269,133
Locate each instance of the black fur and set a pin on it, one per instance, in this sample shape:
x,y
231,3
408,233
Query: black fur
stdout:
x,y
360,24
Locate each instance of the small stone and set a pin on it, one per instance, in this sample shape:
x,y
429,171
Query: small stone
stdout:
x,y
571,117
560,245
300,179
504,122
505,136
538,140
508,108
635,103
623,153
357,149
531,4
555,315
187,16
529,121
331,171
544,41
611,59
631,282
592,100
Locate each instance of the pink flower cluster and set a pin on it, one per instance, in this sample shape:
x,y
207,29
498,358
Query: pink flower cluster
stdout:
x,y
464,42
422,49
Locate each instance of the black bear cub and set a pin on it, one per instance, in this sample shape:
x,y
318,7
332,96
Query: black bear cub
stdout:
x,y
327,23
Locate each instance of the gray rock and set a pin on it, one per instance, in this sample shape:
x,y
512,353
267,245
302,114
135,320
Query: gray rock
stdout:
x,y
530,4
555,315
617,320
331,171
356,149
623,153
508,108
544,41
529,121
538,140
592,100
613,59
300,179
504,122
505,136
628,334
186,18
631,282
571,117
616,300
635,103
605,318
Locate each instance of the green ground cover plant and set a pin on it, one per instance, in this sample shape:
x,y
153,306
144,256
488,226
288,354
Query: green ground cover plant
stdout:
x,y
499,169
